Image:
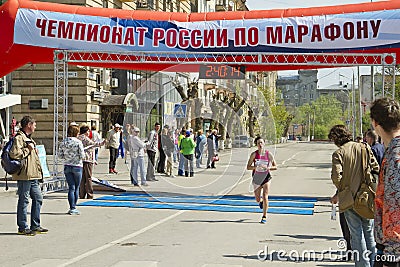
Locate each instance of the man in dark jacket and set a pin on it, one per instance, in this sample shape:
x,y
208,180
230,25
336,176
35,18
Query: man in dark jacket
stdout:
x,y
377,148
212,149
24,147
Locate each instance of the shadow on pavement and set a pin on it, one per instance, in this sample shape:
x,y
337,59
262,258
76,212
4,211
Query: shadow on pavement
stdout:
x,y
334,238
220,221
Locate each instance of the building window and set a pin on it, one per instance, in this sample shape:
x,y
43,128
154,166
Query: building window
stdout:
x,y
39,104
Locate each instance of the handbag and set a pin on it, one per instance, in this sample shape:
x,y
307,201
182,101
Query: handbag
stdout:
x,y
215,158
364,202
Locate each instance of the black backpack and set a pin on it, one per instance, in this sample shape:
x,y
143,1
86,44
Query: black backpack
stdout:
x,y
10,166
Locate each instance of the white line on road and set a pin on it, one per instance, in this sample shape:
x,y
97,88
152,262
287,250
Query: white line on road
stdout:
x,y
292,157
145,229
112,243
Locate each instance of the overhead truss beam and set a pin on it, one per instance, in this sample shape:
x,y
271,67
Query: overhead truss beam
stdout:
x,y
306,59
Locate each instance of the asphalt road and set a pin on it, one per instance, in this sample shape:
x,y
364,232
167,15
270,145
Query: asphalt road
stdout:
x,y
103,236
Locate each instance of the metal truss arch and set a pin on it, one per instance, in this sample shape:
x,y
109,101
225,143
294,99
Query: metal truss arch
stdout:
x,y
64,57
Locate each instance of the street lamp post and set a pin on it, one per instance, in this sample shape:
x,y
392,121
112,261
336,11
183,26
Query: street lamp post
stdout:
x,y
353,117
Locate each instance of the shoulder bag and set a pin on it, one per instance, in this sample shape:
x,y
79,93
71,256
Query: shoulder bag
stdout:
x,y
364,202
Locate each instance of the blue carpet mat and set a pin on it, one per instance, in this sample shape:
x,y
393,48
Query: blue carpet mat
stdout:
x,y
233,197
211,201
223,208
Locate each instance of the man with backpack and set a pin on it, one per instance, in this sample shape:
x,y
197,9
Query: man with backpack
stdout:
x,y
24,147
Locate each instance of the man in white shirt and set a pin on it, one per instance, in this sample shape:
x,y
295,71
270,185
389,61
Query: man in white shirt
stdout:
x,y
113,141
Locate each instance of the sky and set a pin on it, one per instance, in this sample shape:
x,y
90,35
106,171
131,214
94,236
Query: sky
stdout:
x,y
326,77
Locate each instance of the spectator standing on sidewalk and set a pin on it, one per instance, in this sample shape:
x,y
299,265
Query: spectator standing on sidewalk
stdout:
x,y
181,158
168,148
212,149
385,118
136,151
201,141
86,187
96,138
152,148
125,135
162,157
187,148
347,174
113,141
72,151
261,163
175,136
377,148
24,147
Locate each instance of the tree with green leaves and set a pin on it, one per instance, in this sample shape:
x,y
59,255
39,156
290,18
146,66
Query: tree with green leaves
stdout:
x,y
280,116
320,115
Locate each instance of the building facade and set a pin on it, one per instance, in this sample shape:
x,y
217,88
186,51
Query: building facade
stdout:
x,y
88,87
298,90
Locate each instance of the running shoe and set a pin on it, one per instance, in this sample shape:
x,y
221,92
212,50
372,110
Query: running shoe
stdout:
x,y
260,204
263,220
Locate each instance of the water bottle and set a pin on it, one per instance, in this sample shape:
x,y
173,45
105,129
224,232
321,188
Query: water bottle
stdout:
x,y
333,213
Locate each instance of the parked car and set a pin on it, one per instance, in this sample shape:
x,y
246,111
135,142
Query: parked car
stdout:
x,y
241,141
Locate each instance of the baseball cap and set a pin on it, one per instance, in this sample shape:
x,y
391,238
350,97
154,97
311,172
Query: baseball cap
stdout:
x,y
136,129
117,125
188,133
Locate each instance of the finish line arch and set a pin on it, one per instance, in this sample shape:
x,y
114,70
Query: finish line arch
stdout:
x,y
188,62
31,31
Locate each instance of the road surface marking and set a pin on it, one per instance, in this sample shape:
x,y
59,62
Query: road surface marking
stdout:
x,y
46,262
292,157
135,264
112,243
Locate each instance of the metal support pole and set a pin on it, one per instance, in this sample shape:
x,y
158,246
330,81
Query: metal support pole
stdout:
x,y
60,104
394,82
383,80
373,83
359,101
354,107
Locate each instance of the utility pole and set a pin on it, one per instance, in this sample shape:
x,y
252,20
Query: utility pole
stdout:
x,y
309,126
313,125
